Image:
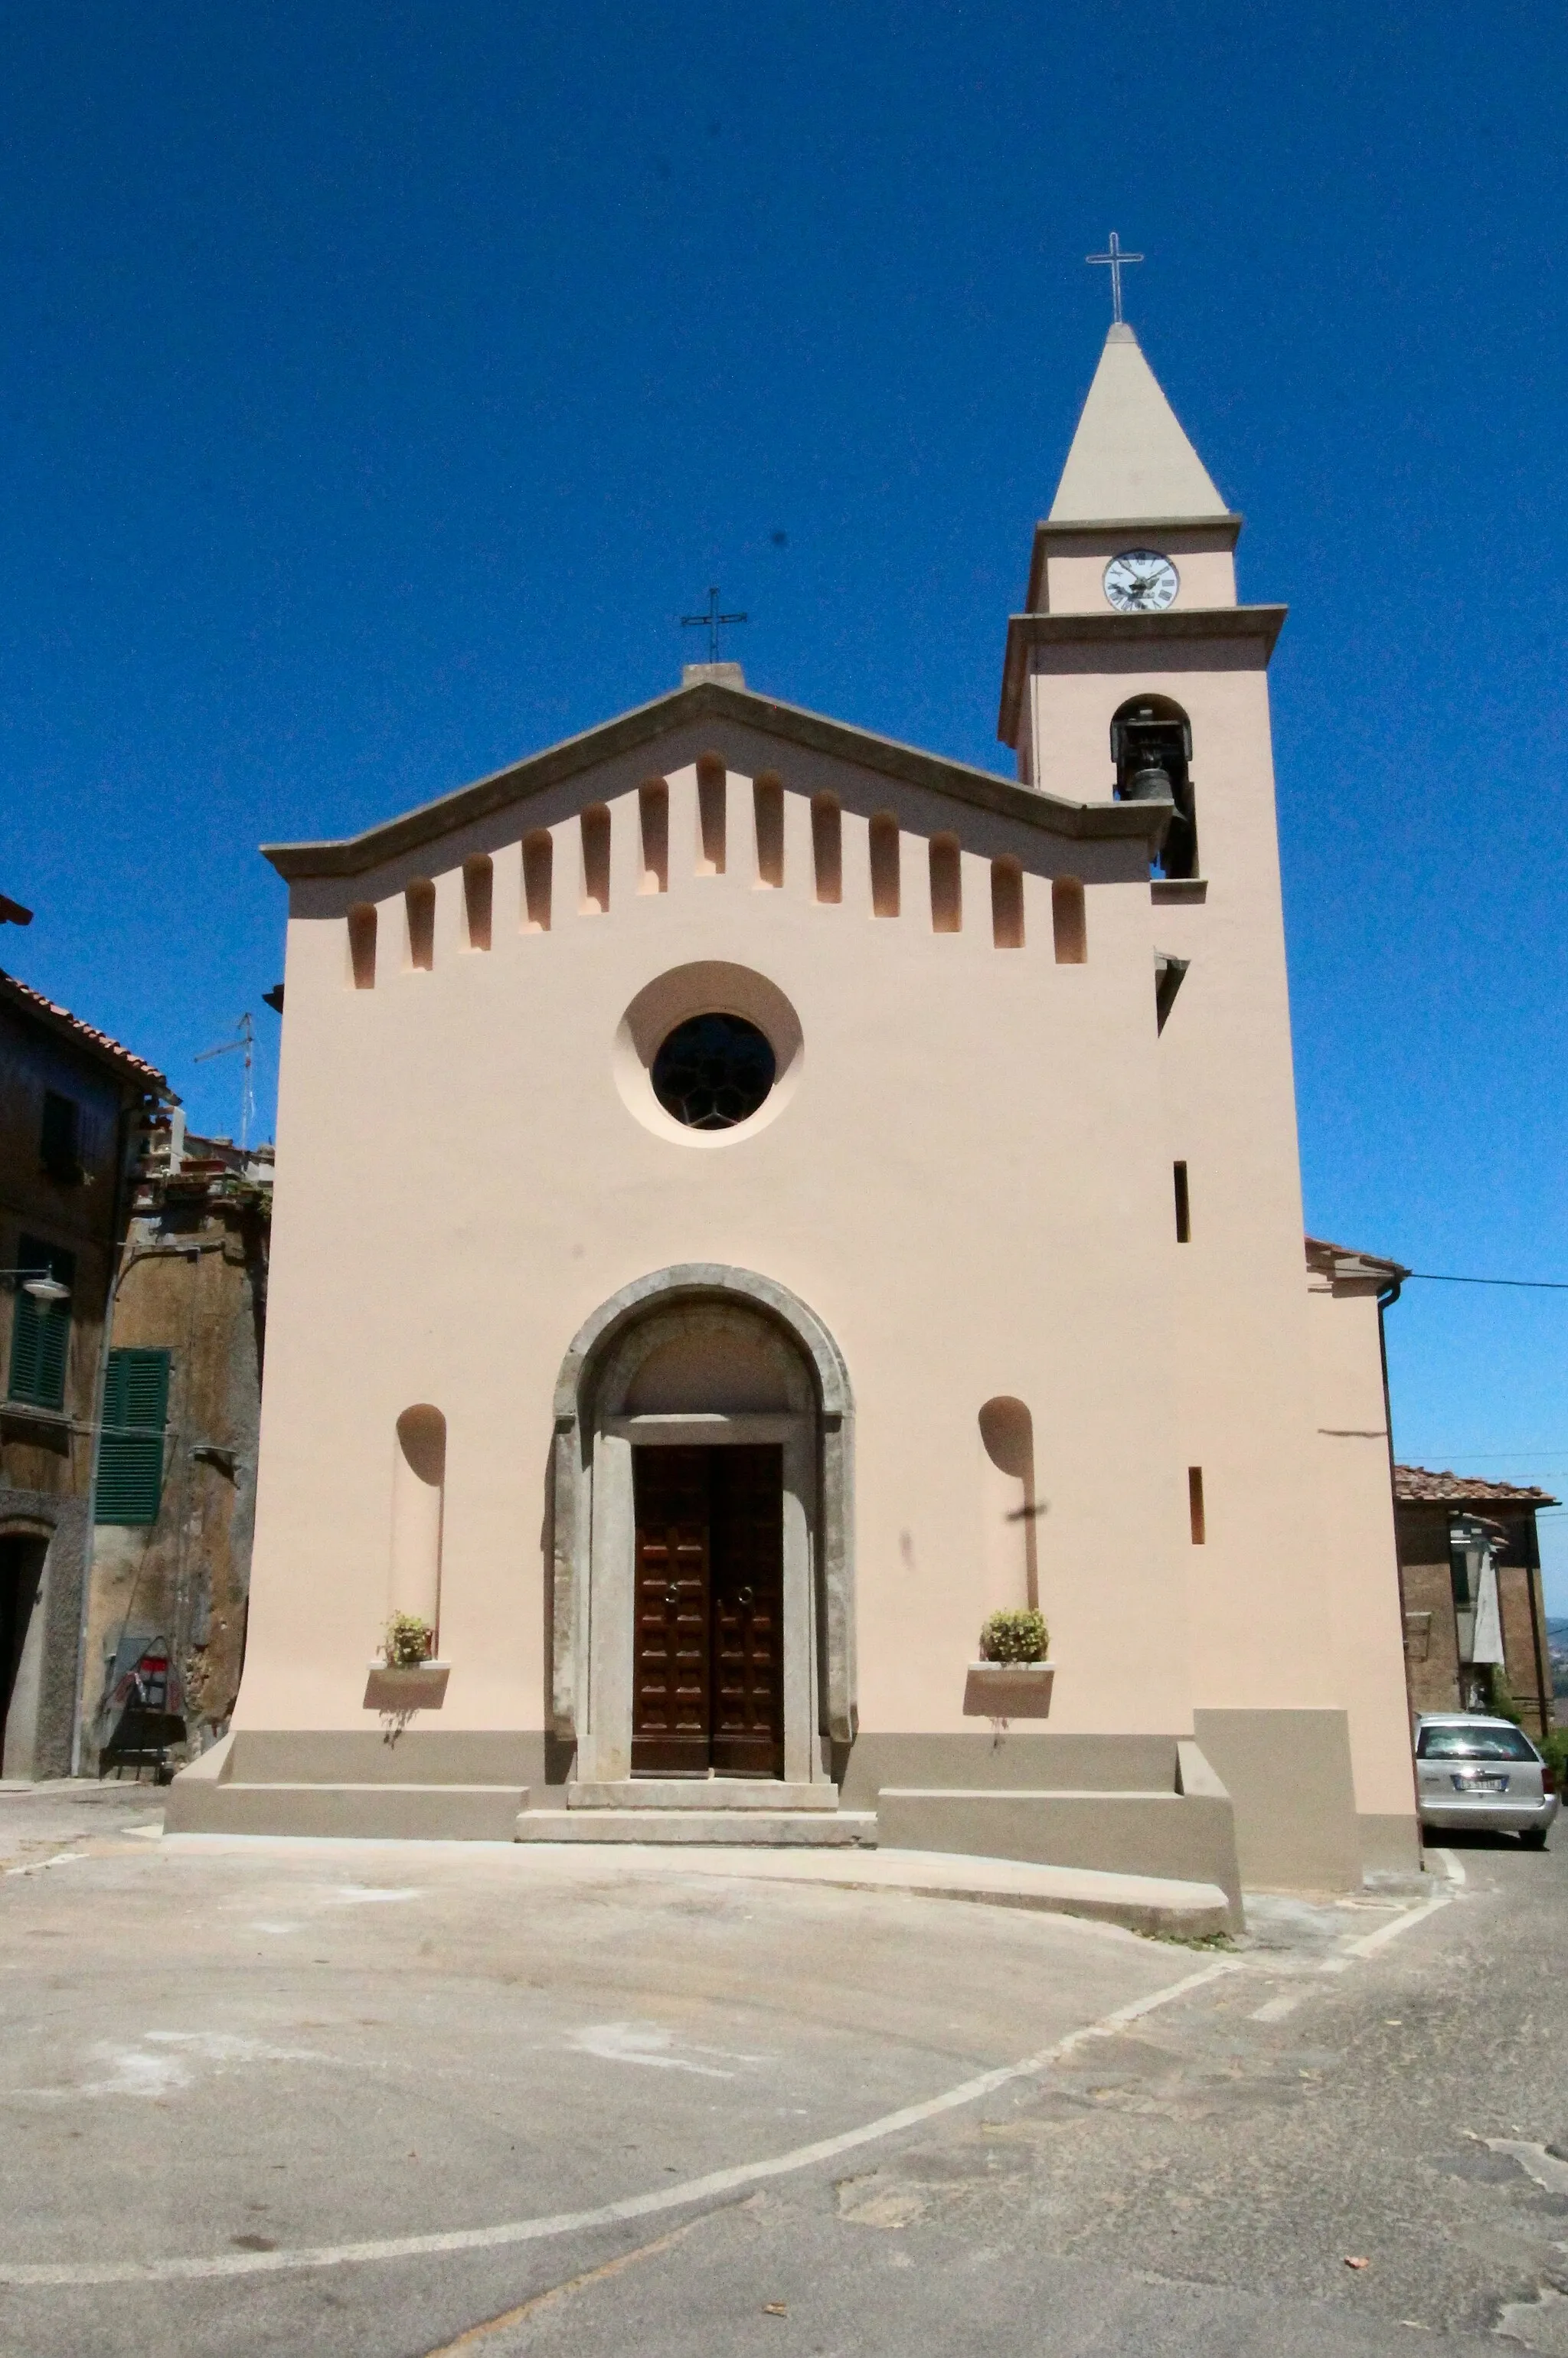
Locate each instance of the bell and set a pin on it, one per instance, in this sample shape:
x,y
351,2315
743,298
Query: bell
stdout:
x,y
1147,785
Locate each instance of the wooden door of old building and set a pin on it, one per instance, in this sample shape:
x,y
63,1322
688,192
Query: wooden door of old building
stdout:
x,y
707,1676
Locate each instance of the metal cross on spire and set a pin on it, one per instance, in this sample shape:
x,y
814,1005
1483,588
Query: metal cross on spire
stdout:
x,y
713,622
1115,260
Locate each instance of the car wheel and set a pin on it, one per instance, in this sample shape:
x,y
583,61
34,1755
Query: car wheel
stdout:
x,y
1535,1839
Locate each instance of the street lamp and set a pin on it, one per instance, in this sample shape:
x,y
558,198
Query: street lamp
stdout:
x,y
39,1284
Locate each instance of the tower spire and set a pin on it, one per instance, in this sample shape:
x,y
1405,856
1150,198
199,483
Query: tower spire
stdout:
x,y
1131,461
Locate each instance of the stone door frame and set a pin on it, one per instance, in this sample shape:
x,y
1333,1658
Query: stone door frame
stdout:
x,y
594,1524
607,1736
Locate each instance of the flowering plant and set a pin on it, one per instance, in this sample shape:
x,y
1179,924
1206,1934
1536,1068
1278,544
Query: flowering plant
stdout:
x,y
409,1642
1015,1638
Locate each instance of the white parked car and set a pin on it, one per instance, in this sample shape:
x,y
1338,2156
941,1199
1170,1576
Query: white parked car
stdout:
x,y
1475,1771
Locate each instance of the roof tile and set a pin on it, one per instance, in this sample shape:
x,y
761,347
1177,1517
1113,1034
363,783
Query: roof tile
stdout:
x,y
62,1019
1415,1486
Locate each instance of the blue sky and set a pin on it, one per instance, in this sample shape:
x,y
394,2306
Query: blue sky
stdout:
x,y
381,382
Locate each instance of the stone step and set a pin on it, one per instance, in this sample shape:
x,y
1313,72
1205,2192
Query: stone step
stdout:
x,y
814,1829
374,1812
700,1793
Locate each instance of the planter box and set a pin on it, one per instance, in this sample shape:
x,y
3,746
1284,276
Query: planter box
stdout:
x,y
1008,1690
421,1689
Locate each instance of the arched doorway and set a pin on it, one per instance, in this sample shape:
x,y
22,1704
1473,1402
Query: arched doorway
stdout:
x,y
703,1582
22,1557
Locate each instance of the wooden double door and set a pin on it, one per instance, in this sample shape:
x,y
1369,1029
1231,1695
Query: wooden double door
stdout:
x,y
708,1668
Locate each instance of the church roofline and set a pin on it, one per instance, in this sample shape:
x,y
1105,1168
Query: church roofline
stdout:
x,y
1026,630
709,700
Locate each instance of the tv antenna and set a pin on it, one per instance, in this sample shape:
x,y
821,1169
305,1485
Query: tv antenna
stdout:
x,y
245,1045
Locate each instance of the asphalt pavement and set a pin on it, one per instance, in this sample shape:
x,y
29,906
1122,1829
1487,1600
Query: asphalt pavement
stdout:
x,y
387,2099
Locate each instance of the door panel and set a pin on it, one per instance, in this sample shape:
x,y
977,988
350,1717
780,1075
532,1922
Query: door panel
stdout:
x,y
670,1717
707,1674
747,1558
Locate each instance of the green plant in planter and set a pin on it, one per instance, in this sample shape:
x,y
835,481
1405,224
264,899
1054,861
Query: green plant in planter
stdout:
x,y
408,1643
1015,1638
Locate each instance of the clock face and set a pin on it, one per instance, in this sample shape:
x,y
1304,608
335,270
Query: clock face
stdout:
x,y
1141,581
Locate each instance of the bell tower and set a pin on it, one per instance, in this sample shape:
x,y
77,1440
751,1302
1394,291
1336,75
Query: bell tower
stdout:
x,y
1134,674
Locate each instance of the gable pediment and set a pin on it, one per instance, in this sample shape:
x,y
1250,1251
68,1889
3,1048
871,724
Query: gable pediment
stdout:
x,y
753,735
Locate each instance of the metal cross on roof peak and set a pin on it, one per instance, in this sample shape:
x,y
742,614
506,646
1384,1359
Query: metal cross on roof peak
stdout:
x,y
1115,260
713,622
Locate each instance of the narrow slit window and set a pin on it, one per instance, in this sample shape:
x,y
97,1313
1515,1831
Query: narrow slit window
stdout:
x,y
1183,1205
539,862
828,846
419,902
361,945
767,806
595,860
60,1138
947,885
1007,904
1069,926
1195,1504
884,865
712,799
479,891
654,814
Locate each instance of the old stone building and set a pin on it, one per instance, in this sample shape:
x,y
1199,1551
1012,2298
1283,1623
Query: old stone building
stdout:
x,y
74,1107
1449,1525
175,1497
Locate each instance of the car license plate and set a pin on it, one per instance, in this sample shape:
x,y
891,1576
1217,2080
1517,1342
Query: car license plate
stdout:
x,y
1481,1784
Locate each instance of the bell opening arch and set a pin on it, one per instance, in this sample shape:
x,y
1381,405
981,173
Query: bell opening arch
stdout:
x,y
701,1358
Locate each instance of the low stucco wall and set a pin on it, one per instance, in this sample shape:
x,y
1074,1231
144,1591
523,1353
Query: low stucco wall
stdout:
x,y
373,1756
1017,1757
1289,1777
436,1792
1189,1837
1390,1844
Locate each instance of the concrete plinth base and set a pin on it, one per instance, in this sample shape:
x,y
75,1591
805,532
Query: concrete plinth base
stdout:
x,y
769,1829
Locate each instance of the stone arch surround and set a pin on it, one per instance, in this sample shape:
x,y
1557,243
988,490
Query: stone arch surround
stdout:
x,y
599,1367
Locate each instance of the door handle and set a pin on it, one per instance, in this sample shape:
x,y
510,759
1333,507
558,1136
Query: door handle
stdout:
x,y
744,1599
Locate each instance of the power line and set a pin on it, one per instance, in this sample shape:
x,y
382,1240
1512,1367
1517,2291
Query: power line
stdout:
x,y
1530,1284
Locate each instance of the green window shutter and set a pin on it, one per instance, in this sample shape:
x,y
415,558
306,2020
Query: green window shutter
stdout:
x,y
41,1331
130,1450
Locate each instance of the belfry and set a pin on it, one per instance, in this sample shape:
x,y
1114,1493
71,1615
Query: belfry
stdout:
x,y
756,1199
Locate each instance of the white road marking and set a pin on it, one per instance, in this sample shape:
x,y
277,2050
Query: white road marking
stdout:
x,y
62,1858
640,2042
608,2214
1451,1867
1370,1943
161,2063
1278,2007
354,1895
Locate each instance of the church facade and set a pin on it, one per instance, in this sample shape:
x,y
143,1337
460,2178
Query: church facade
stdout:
x,y
805,1195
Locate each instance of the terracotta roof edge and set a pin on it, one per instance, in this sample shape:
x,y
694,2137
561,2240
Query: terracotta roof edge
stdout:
x,y
82,1035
